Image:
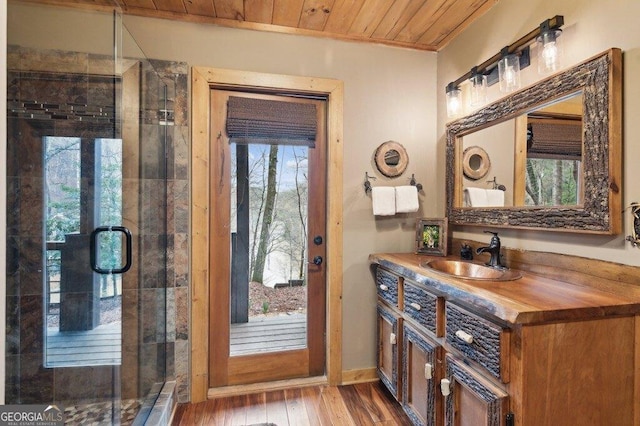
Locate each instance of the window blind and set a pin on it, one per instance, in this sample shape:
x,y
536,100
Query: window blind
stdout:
x,y
265,121
554,140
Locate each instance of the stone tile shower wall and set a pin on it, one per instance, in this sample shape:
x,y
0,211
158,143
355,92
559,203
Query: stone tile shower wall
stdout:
x,y
175,76
146,351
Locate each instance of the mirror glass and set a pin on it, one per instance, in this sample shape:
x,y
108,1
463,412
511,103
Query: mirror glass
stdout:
x,y
392,157
536,155
555,150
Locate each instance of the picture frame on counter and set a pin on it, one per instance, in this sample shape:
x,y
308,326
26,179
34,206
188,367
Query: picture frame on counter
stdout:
x,y
431,236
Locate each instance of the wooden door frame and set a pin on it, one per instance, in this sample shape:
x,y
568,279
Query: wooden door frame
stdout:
x,y
202,81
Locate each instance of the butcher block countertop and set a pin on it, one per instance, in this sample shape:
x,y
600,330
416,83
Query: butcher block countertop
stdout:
x,y
533,299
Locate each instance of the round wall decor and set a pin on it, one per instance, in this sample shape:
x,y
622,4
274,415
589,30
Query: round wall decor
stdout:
x,y
391,159
475,162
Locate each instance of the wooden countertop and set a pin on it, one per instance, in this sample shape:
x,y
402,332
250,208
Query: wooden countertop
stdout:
x,y
532,299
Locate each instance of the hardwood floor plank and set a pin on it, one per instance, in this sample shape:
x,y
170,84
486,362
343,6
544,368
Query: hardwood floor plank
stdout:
x,y
355,405
276,408
238,411
296,410
214,412
193,416
372,403
312,402
256,408
396,410
351,405
336,407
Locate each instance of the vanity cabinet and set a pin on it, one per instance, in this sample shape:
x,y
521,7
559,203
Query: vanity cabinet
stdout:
x,y
421,373
531,352
388,349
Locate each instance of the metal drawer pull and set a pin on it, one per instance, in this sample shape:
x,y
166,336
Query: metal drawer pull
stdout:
x,y
428,371
415,306
392,339
445,387
383,287
465,337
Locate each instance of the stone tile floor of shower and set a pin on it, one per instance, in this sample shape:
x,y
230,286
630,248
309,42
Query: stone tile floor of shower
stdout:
x,y
100,413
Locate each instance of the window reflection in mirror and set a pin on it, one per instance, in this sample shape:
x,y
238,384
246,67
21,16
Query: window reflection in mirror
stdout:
x,y
553,168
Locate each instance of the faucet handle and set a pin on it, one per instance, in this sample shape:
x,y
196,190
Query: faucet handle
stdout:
x,y
495,234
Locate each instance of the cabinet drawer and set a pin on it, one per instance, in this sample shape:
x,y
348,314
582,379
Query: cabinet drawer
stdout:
x,y
479,340
420,305
387,285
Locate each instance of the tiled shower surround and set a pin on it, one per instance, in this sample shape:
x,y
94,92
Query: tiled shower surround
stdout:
x,y
56,93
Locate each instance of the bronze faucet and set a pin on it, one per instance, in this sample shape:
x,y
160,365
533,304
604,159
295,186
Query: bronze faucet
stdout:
x,y
494,249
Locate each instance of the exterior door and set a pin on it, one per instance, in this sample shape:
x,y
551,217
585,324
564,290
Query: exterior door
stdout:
x,y
268,208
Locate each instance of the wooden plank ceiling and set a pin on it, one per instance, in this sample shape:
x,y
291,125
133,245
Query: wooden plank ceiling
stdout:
x,y
416,24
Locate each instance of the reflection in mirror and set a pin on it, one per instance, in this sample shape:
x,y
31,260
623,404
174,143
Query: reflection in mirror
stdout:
x,y
497,142
475,162
392,158
549,141
556,146
553,169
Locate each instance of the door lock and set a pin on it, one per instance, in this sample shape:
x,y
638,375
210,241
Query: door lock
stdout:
x,y
317,260
317,240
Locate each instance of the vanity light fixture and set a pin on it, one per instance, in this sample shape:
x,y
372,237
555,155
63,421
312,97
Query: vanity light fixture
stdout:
x,y
549,49
454,100
477,88
511,59
509,71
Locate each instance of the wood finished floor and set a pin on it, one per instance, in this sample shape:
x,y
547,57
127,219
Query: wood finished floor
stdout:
x,y
360,404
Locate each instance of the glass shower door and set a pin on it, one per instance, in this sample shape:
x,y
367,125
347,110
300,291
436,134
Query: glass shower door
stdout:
x,y
87,250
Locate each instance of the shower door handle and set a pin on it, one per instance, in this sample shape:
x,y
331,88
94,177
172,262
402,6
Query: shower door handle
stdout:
x,y
93,249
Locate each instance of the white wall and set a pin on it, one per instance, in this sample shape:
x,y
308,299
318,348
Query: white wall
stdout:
x,y
389,95
590,28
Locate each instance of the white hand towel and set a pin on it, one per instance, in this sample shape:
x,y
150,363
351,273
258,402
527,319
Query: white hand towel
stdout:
x,y
495,198
406,199
476,197
384,200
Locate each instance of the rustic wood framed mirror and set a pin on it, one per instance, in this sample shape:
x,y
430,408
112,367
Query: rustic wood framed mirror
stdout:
x,y
595,206
391,159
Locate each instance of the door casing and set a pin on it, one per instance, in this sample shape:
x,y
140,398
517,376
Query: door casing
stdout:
x,y
202,81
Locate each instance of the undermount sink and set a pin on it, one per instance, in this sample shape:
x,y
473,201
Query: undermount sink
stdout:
x,y
470,271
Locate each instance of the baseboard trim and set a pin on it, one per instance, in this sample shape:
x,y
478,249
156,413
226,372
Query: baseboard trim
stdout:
x,y
364,375
349,377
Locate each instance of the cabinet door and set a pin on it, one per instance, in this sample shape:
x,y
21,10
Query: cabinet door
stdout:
x,y
472,400
389,340
421,372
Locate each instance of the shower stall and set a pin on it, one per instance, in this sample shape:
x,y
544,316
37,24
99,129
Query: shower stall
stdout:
x,y
90,170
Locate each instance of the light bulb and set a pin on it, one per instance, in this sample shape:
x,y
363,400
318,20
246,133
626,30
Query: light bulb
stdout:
x,y
477,90
549,52
550,56
454,105
509,73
